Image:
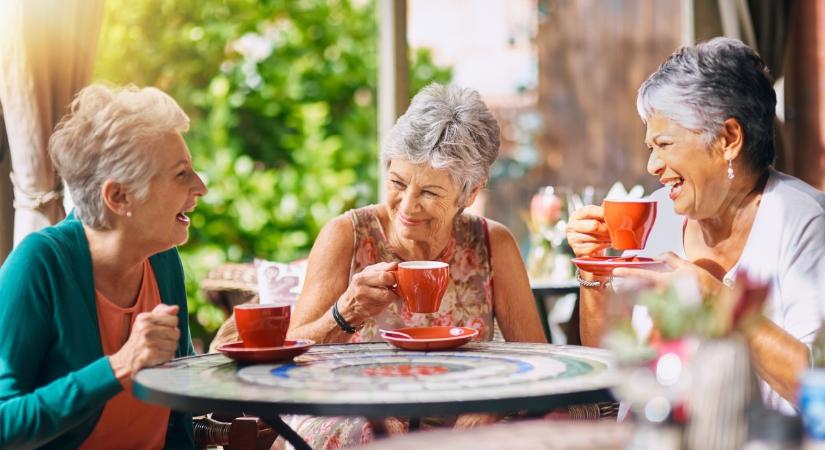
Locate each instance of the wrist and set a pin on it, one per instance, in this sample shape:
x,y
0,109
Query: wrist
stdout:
x,y
346,322
120,368
592,281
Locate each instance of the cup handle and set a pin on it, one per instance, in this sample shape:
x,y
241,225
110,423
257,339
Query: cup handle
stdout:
x,y
394,287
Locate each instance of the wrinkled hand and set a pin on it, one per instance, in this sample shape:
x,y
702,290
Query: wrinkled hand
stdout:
x,y
369,292
153,340
708,284
586,232
466,421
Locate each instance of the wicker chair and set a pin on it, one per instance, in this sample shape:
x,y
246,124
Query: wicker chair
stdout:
x,y
240,433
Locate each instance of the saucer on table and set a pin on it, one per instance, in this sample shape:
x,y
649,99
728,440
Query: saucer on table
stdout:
x,y
604,265
286,352
431,338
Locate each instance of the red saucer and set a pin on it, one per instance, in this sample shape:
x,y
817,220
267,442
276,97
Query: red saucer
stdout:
x,y
289,350
432,338
604,265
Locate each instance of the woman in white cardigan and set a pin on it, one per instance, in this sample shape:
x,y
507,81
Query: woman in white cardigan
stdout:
x,y
709,111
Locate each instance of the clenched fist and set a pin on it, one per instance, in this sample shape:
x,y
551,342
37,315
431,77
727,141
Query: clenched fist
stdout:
x,y
153,340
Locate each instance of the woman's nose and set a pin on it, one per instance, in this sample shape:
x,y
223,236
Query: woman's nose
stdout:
x,y
200,186
655,165
408,202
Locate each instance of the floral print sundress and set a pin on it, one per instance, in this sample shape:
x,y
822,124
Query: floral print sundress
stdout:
x,y
468,302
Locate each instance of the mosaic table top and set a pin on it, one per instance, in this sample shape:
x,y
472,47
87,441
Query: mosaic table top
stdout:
x,y
377,379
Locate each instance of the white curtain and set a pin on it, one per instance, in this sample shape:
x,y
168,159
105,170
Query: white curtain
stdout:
x,y
47,50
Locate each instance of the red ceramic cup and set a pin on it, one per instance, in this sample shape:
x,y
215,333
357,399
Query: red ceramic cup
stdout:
x,y
421,284
262,326
629,222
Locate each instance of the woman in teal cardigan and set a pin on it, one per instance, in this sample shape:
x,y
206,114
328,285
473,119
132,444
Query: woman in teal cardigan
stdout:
x,y
90,301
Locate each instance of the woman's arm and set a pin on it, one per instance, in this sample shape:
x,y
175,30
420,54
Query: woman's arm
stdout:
x,y
587,235
30,414
513,301
778,357
592,310
327,282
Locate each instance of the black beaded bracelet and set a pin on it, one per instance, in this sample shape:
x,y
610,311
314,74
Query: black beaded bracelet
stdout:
x,y
339,319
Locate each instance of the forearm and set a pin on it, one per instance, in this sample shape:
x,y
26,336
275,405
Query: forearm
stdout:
x,y
592,311
32,419
778,357
325,329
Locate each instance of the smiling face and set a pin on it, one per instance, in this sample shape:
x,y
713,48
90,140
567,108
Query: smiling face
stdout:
x,y
421,201
161,218
695,172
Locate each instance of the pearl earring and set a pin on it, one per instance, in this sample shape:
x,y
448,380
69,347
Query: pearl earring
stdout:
x,y
128,213
730,169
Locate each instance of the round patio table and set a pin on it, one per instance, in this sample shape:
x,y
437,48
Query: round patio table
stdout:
x,y
377,380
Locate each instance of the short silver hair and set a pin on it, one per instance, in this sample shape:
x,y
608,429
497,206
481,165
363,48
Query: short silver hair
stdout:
x,y
447,127
107,135
699,87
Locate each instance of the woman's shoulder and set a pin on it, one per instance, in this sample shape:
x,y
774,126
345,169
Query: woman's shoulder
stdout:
x,y
482,227
794,197
63,238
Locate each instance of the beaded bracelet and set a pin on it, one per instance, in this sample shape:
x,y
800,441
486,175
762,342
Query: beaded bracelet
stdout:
x,y
590,283
339,319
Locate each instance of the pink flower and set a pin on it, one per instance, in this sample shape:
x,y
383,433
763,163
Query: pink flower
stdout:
x,y
443,320
333,443
465,265
478,324
367,254
367,434
545,208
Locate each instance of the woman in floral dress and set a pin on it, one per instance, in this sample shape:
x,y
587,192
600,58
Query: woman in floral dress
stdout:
x,y
437,159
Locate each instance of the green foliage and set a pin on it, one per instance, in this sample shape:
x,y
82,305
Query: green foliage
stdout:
x,y
282,97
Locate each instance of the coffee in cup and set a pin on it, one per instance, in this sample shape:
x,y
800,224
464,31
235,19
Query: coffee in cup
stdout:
x,y
421,284
262,326
629,222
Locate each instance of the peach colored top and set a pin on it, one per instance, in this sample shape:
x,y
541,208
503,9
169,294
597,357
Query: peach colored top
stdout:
x,y
126,422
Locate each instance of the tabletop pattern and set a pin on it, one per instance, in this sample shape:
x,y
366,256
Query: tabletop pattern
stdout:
x,y
378,374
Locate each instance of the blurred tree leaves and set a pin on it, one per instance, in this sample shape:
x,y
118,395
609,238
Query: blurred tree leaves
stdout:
x,y
282,97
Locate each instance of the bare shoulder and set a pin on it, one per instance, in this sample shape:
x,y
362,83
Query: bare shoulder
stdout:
x,y
500,235
335,239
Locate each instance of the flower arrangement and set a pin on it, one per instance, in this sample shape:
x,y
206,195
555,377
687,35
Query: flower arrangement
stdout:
x,y
549,255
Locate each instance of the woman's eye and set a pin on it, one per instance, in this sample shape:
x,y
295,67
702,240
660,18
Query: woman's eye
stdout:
x,y
429,193
398,184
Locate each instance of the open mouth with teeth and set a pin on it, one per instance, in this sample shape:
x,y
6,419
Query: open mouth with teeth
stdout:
x,y
675,188
182,218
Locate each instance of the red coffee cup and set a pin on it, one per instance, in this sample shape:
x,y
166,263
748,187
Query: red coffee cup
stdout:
x,y
262,326
421,284
629,222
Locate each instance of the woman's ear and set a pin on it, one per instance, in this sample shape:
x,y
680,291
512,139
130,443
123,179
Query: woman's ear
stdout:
x,y
732,139
471,198
116,198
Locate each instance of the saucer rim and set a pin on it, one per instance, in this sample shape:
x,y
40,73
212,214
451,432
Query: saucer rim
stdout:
x,y
471,335
229,346
608,262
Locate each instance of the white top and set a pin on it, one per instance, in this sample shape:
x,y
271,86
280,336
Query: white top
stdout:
x,y
786,247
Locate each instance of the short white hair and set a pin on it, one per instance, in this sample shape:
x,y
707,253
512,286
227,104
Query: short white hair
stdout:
x,y
701,86
106,135
447,127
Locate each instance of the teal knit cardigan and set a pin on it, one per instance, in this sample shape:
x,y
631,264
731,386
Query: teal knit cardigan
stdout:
x,y
54,378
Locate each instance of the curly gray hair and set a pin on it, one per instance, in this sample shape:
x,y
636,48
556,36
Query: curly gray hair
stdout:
x,y
106,135
447,127
699,87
